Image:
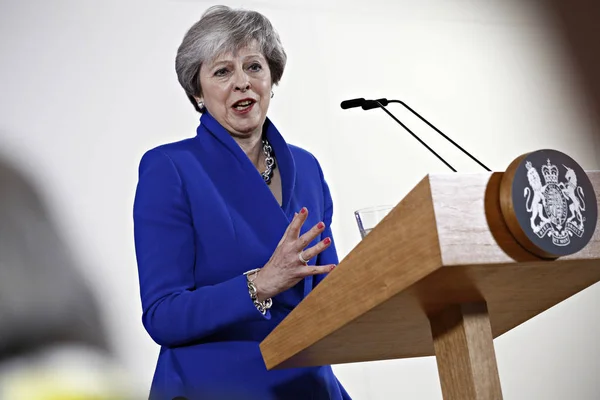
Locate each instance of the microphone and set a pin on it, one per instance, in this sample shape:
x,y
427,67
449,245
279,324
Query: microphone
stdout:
x,y
381,103
352,103
371,104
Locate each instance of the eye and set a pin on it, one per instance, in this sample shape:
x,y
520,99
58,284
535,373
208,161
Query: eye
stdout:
x,y
221,72
255,67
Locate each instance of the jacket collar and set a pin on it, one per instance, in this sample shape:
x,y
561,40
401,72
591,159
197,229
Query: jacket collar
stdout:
x,y
284,159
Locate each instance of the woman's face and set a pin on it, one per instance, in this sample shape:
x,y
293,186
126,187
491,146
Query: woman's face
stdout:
x,y
236,90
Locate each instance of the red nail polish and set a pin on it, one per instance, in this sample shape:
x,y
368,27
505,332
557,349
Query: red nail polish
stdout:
x,y
303,211
320,225
331,267
327,241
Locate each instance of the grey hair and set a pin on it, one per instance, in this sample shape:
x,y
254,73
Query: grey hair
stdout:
x,y
221,30
44,300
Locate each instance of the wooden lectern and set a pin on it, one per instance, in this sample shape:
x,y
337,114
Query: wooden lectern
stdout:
x,y
440,275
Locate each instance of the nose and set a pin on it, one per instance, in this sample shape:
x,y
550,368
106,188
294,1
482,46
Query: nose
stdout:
x,y
242,83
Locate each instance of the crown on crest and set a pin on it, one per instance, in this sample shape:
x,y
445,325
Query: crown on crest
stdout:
x,y
550,173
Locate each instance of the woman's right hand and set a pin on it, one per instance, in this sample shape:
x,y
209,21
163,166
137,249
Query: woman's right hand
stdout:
x,y
285,269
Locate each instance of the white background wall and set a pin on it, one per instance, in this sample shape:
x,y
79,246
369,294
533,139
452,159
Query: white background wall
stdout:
x,y
86,87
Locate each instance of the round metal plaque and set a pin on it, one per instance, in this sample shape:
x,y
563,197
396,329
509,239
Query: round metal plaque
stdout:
x,y
549,203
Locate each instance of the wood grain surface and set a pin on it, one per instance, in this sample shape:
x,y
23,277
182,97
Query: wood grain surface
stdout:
x,y
465,355
444,244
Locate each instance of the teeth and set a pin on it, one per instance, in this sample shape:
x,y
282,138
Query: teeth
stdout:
x,y
244,103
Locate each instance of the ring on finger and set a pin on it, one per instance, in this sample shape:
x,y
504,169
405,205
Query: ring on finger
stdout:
x,y
302,260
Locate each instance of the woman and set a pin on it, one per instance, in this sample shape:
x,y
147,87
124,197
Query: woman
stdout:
x,y
232,226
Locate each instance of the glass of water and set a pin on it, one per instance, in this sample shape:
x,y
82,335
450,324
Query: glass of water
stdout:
x,y
368,218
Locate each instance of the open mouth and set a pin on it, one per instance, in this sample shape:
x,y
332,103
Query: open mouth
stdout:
x,y
244,104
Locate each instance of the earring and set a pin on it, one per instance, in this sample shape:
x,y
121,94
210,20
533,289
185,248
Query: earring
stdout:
x,y
200,104
272,94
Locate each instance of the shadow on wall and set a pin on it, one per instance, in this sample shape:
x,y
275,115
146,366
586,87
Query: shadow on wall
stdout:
x,y
52,340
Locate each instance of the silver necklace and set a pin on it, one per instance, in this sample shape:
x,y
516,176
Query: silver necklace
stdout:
x,y
269,162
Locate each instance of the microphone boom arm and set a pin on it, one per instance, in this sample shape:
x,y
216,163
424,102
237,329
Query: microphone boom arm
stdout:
x,y
415,136
440,132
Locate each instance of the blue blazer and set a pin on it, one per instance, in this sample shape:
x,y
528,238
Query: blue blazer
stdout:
x,y
202,217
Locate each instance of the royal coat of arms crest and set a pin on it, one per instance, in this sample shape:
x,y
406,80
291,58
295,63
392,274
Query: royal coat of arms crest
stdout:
x,y
555,207
549,203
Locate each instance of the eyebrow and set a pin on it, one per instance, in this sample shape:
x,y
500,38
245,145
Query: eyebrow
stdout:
x,y
217,63
228,60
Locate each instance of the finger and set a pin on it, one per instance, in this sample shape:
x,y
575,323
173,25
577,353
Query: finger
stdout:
x,y
316,270
291,225
287,230
296,224
309,236
315,250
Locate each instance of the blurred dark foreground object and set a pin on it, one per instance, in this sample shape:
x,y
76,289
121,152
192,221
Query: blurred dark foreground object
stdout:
x,y
52,341
577,24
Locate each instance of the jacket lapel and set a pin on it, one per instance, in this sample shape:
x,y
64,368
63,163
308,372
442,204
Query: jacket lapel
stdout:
x,y
241,185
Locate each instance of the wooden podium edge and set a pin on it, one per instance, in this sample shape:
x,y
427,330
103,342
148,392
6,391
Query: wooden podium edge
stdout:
x,y
411,222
